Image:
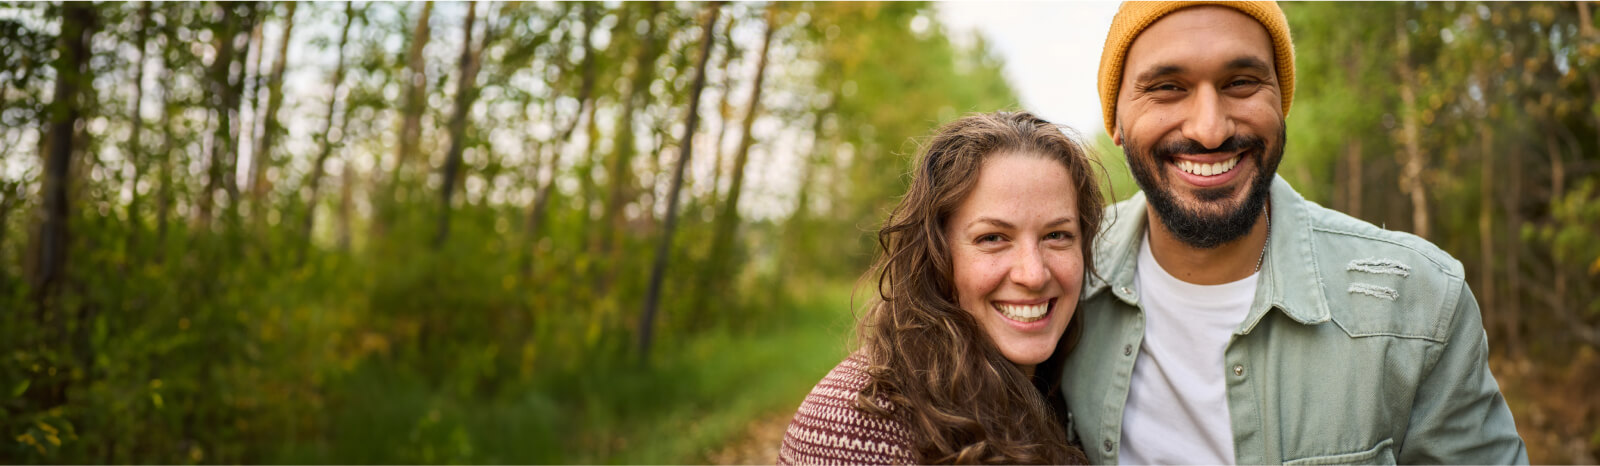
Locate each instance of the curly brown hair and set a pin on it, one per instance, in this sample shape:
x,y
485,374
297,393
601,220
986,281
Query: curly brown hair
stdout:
x,y
963,401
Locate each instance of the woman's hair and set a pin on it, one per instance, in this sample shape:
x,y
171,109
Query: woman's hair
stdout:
x,y
963,401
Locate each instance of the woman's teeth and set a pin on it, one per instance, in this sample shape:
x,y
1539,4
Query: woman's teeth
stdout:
x,y
1022,313
1207,169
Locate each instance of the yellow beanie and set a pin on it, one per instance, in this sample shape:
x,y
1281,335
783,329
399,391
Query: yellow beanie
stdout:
x,y
1133,17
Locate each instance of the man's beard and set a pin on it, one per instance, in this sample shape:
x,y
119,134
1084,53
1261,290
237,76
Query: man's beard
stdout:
x,y
1196,227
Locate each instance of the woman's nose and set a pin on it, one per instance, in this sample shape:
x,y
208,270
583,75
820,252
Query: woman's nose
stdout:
x,y
1028,268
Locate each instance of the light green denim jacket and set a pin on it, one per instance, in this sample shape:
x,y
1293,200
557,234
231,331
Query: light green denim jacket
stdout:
x,y
1363,346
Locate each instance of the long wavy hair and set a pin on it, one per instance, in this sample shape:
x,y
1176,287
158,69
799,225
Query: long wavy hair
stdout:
x,y
962,400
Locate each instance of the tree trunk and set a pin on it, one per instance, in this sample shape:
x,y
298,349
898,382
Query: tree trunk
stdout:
x,y
1411,163
136,152
724,108
346,203
48,258
225,102
795,231
541,197
415,82
619,172
1511,303
270,128
685,151
466,93
252,89
727,223
317,168
50,243
1486,283
164,194
217,82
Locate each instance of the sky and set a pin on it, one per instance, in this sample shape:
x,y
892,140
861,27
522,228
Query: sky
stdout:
x,y
1051,51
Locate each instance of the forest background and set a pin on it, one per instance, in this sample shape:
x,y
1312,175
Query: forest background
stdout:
x,y
621,233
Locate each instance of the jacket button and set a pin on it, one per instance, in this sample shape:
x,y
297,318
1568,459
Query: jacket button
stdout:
x,y
1125,290
1238,369
1127,350
1107,444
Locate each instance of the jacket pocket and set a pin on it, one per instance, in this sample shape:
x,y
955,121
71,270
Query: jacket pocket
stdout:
x,y
1383,453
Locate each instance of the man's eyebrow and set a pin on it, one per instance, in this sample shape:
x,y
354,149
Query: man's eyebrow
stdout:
x,y
1245,62
1251,63
1158,71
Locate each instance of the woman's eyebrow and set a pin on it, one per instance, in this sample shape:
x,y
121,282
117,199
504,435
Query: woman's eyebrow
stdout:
x,y
1059,222
993,221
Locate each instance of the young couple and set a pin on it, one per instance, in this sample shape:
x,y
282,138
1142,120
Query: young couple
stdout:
x,y
1216,317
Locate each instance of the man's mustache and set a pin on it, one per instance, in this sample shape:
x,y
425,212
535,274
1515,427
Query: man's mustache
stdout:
x,y
1189,146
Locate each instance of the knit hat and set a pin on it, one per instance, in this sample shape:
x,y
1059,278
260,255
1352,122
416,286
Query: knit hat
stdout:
x,y
1134,16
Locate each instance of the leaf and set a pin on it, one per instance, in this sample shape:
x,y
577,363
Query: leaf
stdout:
x,y
23,387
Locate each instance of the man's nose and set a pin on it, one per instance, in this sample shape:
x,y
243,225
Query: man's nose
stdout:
x,y
1208,122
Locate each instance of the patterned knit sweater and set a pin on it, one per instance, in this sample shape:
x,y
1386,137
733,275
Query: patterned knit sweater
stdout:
x,y
828,429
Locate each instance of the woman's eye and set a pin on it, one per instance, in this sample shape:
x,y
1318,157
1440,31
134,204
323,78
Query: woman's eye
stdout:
x,y
989,238
1057,235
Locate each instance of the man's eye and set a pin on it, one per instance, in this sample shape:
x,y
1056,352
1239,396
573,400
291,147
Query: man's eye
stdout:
x,y
1242,82
1165,87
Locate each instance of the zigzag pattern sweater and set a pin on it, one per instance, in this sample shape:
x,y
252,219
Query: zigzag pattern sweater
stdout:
x,y
828,429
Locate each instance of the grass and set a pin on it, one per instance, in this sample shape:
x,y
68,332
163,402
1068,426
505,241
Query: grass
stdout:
x,y
696,396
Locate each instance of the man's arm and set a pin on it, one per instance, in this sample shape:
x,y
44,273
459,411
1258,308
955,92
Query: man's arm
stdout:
x,y
1459,416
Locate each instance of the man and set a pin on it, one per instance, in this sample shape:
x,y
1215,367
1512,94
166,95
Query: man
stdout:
x,y
1234,321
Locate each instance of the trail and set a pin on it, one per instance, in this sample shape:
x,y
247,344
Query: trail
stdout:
x,y
759,443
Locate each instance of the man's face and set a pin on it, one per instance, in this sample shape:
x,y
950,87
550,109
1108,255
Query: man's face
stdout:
x,y
1199,115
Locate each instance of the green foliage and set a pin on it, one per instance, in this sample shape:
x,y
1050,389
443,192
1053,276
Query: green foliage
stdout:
x,y
288,328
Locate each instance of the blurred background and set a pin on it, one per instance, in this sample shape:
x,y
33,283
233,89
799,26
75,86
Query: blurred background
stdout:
x,y
279,232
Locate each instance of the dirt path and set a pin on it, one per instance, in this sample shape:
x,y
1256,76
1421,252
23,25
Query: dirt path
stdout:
x,y
758,445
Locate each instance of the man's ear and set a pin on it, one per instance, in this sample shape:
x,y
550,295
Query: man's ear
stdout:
x,y
1116,136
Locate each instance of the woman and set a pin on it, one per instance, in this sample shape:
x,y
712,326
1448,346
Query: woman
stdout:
x,y
981,267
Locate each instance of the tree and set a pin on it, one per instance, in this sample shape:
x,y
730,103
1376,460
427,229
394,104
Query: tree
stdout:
x,y
664,249
414,79
136,152
619,171
271,128
728,220
51,243
466,93
586,104
325,139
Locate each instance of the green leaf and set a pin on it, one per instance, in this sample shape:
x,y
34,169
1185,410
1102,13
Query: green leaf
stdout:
x,y
21,387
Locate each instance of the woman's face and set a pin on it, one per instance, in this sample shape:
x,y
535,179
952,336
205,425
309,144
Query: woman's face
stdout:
x,y
1017,254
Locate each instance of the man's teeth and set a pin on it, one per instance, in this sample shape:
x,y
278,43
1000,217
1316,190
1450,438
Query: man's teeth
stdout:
x,y
1024,313
1208,169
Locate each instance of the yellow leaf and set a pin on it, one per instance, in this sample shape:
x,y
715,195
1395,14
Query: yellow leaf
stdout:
x,y
155,398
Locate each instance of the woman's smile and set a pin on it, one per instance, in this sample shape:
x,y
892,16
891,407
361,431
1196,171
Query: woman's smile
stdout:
x,y
1026,314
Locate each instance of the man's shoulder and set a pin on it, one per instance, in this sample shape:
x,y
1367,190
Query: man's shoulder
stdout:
x,y
1329,222
1380,281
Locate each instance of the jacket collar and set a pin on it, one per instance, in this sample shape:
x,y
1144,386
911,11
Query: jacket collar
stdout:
x,y
1290,277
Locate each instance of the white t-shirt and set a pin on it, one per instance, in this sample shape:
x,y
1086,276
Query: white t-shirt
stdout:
x,y
1177,410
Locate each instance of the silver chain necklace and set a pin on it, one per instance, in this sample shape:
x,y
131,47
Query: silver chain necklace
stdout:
x,y
1263,258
